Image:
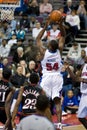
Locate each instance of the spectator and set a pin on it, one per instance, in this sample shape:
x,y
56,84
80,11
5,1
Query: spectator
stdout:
x,y
25,23
24,66
81,11
6,29
33,8
15,46
74,53
18,79
20,10
54,33
41,105
70,103
68,7
32,22
36,31
13,24
19,55
31,68
12,41
20,32
81,60
4,49
74,21
45,8
67,81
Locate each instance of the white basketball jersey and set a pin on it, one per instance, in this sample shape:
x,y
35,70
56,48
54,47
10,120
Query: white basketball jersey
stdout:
x,y
51,62
83,86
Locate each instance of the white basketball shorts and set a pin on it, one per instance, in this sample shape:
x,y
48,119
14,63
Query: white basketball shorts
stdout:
x,y
52,85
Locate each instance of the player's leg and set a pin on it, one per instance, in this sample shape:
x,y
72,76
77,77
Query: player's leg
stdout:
x,y
83,121
82,111
56,96
57,102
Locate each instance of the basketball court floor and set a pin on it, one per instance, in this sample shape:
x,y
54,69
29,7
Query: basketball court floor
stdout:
x,y
70,122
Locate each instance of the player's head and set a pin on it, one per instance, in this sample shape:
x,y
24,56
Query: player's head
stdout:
x,y
42,103
6,73
34,78
53,45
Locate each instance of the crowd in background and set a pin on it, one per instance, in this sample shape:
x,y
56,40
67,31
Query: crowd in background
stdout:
x,y
21,54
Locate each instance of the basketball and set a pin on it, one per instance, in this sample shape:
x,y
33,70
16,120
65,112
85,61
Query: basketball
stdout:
x,y
55,15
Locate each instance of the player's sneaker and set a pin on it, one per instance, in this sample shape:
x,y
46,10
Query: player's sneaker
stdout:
x,y
64,113
58,126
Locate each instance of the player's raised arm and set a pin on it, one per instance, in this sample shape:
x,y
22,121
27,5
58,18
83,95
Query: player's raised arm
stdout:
x,y
63,34
17,105
38,39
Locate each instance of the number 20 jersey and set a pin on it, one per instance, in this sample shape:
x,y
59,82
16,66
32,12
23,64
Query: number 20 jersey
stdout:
x,y
51,63
29,98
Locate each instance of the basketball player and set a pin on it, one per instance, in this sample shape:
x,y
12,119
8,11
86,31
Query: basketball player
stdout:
x,y
6,90
82,111
28,98
37,121
52,80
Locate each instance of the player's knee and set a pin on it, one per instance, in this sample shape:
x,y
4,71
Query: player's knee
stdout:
x,y
57,100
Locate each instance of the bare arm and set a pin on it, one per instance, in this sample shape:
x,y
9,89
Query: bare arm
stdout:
x,y
7,108
8,103
17,105
63,34
38,39
75,77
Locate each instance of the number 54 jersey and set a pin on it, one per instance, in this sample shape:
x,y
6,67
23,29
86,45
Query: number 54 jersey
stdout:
x,y
51,63
29,99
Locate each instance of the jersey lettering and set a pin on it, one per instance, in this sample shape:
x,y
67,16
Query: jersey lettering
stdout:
x,y
30,104
2,96
50,67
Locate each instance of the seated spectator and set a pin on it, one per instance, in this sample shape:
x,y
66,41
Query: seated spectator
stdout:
x,y
6,29
25,23
70,103
19,55
18,79
13,24
31,68
24,66
82,12
36,31
74,22
15,46
67,81
81,60
12,41
33,8
19,11
74,53
45,8
54,33
32,22
68,7
20,32
4,49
